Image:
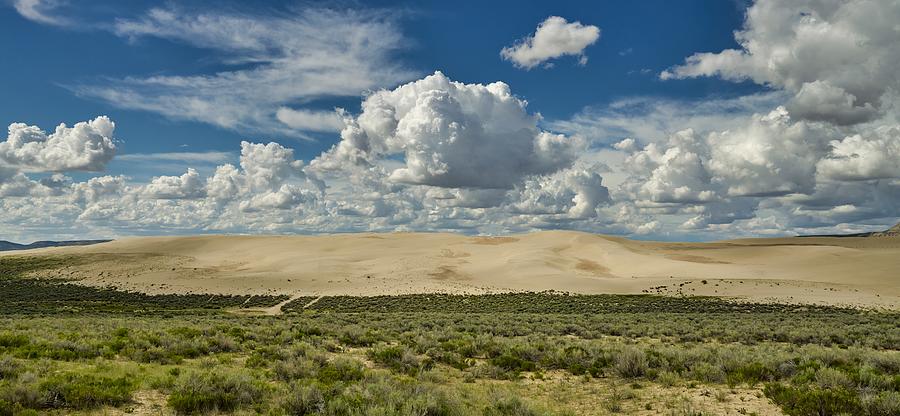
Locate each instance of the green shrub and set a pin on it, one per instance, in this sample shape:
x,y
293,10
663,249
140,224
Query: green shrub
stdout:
x,y
516,359
304,399
888,363
385,395
668,378
400,360
578,360
813,401
211,391
10,340
707,373
830,378
23,392
631,363
489,371
356,336
297,368
15,409
9,368
505,404
341,369
885,403
453,359
750,374
83,391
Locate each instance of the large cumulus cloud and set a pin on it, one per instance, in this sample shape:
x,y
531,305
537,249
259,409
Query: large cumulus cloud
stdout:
x,y
871,155
797,169
268,178
187,186
575,193
770,155
431,155
86,146
839,57
451,135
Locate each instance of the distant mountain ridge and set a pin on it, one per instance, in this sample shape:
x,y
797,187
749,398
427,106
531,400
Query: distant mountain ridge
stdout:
x,y
892,232
10,246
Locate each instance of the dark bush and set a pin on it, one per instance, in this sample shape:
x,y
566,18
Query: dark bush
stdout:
x,y
751,374
399,359
341,369
8,340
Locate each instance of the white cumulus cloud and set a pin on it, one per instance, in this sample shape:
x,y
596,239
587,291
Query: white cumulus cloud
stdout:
x,y
875,155
839,57
576,192
451,135
553,38
86,146
187,186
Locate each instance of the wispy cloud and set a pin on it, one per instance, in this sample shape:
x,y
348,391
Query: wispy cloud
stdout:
x,y
40,11
650,119
285,60
310,120
207,157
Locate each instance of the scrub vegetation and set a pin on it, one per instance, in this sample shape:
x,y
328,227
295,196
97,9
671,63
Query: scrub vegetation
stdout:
x,y
105,351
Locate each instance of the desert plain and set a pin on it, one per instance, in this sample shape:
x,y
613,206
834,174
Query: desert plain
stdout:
x,y
550,323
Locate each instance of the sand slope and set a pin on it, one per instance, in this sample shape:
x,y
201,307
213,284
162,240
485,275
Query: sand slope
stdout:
x,y
851,271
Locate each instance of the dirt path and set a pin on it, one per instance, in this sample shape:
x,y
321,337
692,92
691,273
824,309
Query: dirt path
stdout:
x,y
313,302
274,309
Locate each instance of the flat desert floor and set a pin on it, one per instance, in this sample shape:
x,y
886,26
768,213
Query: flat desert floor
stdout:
x,y
851,271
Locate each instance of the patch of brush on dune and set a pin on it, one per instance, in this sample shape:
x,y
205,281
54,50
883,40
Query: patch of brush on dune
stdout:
x,y
13,267
20,293
546,302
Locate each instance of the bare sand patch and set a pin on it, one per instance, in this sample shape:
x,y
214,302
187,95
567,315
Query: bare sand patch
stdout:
x,y
591,266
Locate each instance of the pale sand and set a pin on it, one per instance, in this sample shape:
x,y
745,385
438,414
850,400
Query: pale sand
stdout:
x,y
862,271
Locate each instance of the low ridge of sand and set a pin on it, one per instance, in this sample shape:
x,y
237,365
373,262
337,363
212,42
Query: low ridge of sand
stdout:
x,y
855,271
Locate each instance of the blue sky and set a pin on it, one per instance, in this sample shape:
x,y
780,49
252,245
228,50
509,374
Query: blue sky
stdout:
x,y
461,39
186,83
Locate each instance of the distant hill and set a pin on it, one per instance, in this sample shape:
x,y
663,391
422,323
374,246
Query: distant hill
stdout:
x,y
892,232
9,246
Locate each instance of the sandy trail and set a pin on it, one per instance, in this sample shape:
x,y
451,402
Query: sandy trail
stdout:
x,y
862,271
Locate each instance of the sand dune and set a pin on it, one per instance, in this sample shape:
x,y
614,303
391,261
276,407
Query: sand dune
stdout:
x,y
845,271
